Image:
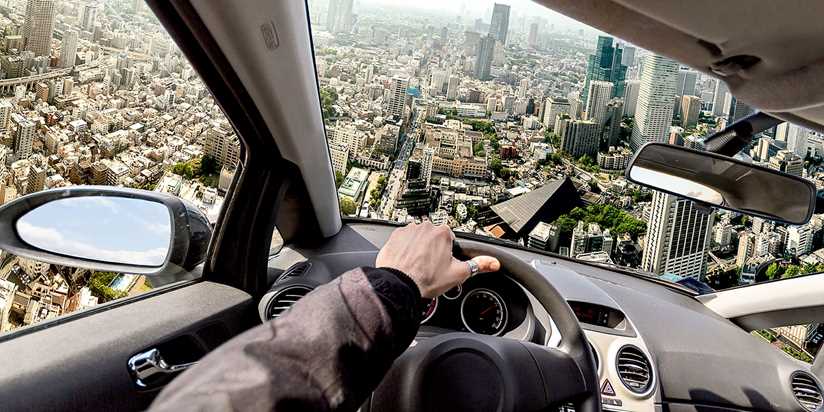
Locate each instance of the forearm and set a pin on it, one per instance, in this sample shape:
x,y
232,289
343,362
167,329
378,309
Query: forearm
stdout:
x,y
327,353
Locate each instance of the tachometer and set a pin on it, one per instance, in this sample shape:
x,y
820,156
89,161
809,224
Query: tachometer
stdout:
x,y
483,312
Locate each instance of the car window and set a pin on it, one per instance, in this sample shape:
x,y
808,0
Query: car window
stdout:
x,y
802,342
511,121
97,93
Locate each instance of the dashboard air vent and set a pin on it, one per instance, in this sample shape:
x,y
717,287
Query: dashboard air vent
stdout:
x,y
806,391
634,369
284,300
296,270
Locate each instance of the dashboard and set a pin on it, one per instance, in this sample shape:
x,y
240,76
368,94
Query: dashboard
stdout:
x,y
657,348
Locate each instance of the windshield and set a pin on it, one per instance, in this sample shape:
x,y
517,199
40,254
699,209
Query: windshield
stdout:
x,y
511,121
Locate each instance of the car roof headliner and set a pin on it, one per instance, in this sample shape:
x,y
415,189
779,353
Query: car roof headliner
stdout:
x,y
787,79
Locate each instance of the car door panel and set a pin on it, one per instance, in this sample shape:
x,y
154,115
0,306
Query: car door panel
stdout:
x,y
81,364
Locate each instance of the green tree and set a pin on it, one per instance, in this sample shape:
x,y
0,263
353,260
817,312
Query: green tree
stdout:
x,y
208,165
774,271
99,286
495,166
348,206
791,272
328,98
338,179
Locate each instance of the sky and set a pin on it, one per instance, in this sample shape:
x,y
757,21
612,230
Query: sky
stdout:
x,y
482,8
108,229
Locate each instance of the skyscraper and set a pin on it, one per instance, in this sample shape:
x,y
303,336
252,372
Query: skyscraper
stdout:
x,y
690,108
787,162
339,16
579,138
23,136
68,48
532,38
612,123
796,137
397,99
718,98
605,64
5,113
554,107
88,17
39,26
499,26
599,94
631,96
686,82
483,60
426,164
738,110
653,115
452,87
677,237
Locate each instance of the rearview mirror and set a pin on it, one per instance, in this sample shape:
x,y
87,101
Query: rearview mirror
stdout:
x,y
723,182
107,229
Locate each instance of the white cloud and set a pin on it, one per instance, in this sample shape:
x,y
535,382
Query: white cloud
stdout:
x,y
50,239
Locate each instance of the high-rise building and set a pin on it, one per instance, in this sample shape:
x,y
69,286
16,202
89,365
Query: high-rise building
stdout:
x,y
426,164
544,237
678,236
718,95
799,240
686,82
631,88
88,17
532,38
452,87
68,48
590,238
39,26
605,64
611,130
23,136
653,115
797,138
499,26
339,153
628,57
222,144
397,97
5,114
599,94
483,60
690,108
787,162
339,16
579,138
738,110
554,106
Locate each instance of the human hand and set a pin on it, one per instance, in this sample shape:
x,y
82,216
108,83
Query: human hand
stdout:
x,y
424,253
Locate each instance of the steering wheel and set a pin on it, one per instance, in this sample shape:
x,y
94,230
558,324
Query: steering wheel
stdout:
x,y
467,372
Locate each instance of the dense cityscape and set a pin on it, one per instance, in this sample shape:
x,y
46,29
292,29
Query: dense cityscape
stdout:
x,y
504,123
493,120
97,93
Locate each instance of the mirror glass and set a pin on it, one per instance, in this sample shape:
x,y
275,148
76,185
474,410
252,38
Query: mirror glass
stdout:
x,y
103,228
724,182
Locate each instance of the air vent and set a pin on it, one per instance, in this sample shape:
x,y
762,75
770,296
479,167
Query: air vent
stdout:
x,y
634,369
284,300
296,270
806,391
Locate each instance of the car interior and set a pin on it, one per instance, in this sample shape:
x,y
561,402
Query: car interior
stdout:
x,y
599,337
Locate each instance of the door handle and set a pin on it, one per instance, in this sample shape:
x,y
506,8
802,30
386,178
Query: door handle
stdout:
x,y
148,369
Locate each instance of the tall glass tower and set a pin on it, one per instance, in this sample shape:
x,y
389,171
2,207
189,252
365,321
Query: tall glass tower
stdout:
x,y
605,65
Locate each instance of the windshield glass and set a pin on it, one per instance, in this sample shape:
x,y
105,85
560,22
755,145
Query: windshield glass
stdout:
x,y
511,121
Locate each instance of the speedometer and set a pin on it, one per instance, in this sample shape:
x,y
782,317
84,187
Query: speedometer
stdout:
x,y
483,312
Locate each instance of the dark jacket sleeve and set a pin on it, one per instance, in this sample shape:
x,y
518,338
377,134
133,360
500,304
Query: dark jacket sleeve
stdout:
x,y
327,353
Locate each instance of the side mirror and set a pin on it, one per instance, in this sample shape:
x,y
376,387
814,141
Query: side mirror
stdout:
x,y
108,229
723,182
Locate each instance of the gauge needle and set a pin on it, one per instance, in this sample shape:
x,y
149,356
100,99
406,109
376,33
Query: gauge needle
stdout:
x,y
483,312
